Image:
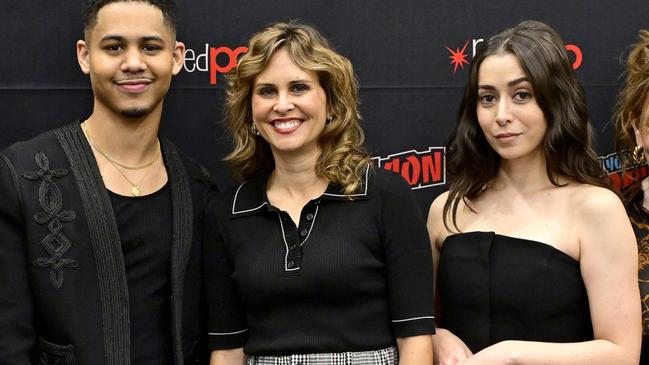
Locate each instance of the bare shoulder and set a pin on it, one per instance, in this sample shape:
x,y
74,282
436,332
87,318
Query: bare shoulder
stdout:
x,y
435,223
600,220
590,202
437,206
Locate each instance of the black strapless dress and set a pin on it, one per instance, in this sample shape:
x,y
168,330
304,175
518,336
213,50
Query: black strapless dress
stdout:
x,y
494,288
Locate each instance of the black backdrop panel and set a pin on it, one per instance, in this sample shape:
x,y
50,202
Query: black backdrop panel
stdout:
x,y
410,90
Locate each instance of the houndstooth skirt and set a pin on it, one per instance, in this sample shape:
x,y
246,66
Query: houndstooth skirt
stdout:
x,y
387,356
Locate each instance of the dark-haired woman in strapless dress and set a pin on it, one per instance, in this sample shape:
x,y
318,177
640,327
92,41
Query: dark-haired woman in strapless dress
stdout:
x,y
536,260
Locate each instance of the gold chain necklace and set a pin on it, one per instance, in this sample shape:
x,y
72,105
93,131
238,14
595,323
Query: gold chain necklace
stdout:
x,y
135,188
101,152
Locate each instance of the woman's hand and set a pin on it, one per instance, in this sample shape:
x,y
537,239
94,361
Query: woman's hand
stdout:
x,y
448,348
496,354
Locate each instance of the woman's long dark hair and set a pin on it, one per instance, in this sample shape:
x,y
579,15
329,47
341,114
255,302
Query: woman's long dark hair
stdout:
x,y
567,144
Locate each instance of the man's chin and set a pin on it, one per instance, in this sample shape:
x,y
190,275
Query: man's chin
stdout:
x,y
135,112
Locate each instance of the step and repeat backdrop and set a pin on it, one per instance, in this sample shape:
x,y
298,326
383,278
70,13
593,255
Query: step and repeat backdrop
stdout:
x,y
410,58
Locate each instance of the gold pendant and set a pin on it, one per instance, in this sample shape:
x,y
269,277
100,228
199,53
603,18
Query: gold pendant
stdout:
x,y
135,190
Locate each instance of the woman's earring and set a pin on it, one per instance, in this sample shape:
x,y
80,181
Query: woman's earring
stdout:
x,y
330,118
253,127
638,155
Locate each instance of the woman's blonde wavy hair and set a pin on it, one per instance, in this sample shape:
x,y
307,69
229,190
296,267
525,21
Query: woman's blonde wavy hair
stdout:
x,y
343,159
632,108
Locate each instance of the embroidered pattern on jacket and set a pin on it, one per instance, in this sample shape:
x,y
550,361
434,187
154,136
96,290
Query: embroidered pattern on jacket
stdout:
x,y
53,354
51,201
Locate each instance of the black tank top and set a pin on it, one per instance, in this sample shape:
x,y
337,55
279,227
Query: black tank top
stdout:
x,y
144,224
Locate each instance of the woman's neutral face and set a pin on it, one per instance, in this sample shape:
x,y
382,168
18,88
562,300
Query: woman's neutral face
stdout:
x,y
508,114
289,106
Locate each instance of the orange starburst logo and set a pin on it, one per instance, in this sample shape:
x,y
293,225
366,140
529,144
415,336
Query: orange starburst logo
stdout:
x,y
458,57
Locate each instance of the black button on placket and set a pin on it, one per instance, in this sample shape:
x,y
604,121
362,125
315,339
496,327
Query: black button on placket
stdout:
x,y
293,257
295,237
306,220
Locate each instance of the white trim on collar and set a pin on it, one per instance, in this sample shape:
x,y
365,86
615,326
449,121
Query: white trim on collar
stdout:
x,y
234,202
236,195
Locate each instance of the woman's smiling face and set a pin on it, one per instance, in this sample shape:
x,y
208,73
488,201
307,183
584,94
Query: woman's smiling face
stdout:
x,y
289,106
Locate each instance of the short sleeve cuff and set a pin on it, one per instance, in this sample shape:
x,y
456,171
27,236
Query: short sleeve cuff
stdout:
x,y
227,340
407,327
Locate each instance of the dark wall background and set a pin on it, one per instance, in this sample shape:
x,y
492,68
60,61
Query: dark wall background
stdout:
x,y
409,89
